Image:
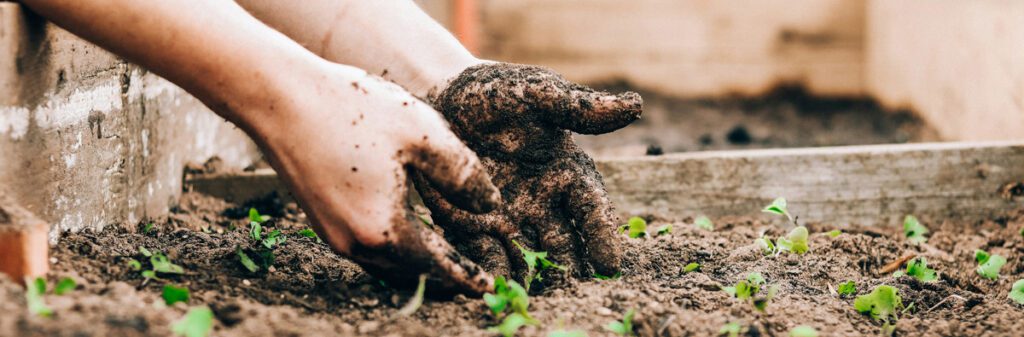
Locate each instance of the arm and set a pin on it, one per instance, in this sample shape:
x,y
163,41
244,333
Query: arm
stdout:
x,y
342,141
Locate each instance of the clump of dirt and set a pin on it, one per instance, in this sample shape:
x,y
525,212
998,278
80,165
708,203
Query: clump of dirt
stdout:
x,y
313,292
787,116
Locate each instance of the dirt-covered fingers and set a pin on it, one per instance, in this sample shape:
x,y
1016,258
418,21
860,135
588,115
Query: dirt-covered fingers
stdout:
x,y
451,167
595,217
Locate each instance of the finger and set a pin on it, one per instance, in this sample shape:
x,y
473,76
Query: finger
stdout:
x,y
555,232
595,218
415,250
587,111
488,252
453,168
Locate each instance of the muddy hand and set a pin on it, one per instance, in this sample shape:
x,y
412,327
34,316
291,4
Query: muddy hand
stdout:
x,y
345,152
519,121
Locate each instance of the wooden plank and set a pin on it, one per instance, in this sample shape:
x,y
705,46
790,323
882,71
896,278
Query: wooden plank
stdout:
x,y
870,185
24,249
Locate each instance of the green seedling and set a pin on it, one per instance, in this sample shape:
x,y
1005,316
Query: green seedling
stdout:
x,y
989,265
732,329
616,276
834,233
1017,292
624,327
510,325
196,323
34,291
795,241
508,294
803,331
255,216
778,206
748,288
64,286
666,229
882,304
135,264
703,222
636,227
692,266
309,233
148,228
918,268
417,299
246,261
568,333
766,245
847,288
536,263
273,239
162,264
174,294
914,230
145,252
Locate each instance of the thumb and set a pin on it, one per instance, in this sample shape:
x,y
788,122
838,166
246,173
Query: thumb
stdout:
x,y
587,111
453,169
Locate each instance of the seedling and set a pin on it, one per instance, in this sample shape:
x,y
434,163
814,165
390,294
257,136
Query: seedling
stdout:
x,y
803,331
1017,292
64,286
795,242
160,264
834,233
778,206
665,229
732,329
263,255
703,222
246,261
196,323
34,291
309,233
636,227
148,228
918,268
174,294
882,304
746,289
135,264
914,230
510,325
847,288
568,333
624,327
273,239
536,263
616,276
692,266
508,294
417,299
989,265
766,245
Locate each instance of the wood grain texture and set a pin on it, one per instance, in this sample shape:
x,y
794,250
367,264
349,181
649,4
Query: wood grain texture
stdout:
x,y
869,185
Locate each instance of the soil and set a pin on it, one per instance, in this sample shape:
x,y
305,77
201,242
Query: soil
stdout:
x,y
787,116
313,292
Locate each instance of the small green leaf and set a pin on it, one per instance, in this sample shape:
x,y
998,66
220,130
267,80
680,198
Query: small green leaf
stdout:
x,y
796,241
918,268
173,294
981,256
145,252
510,325
64,286
150,274
691,267
1017,292
246,261
990,268
755,278
637,227
196,323
703,222
148,228
254,216
309,233
803,331
417,299
162,264
604,277
761,303
135,264
847,288
568,333
834,233
624,327
881,304
255,231
778,206
732,329
273,239
766,245
34,291
914,230
665,229
536,262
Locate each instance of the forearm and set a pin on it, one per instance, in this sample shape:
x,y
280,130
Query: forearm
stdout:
x,y
213,49
392,36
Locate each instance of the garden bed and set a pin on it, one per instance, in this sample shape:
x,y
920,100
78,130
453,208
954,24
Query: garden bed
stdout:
x,y
311,291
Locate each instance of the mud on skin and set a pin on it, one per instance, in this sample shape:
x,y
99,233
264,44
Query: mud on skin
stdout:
x,y
519,119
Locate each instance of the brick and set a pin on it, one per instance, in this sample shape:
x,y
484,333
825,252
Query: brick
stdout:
x,y
24,249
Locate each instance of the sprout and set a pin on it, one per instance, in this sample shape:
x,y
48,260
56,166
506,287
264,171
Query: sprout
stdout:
x,y
918,268
636,226
34,291
64,286
778,206
881,304
417,298
847,288
665,229
703,222
624,327
692,266
914,230
732,329
196,323
173,294
803,331
989,265
1017,292
796,241
834,233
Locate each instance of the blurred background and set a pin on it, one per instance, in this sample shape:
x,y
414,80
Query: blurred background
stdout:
x,y
771,73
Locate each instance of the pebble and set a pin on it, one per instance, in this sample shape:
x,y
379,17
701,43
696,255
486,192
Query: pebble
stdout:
x,y
246,283
368,327
271,269
53,260
603,311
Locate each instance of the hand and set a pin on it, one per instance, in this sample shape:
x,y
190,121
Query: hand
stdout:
x,y
518,120
344,143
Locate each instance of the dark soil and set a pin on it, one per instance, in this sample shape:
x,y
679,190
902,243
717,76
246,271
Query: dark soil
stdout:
x,y
313,292
785,117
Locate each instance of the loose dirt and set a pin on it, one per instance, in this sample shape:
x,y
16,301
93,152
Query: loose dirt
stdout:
x,y
313,292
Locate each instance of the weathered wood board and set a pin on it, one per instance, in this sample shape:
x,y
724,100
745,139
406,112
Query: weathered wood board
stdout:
x,y
870,185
